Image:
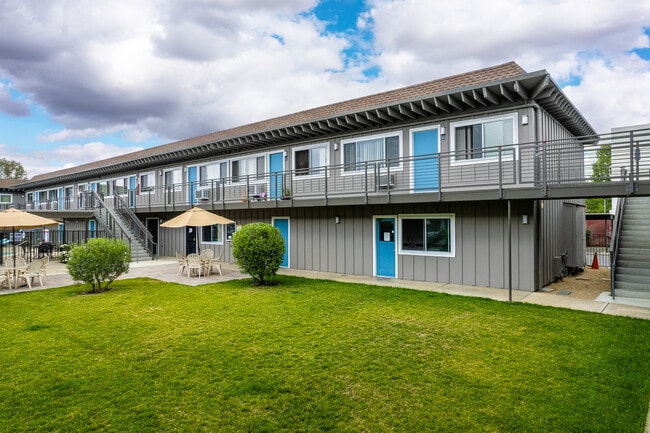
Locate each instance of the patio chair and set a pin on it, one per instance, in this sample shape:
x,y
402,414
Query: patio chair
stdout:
x,y
207,255
34,269
194,264
182,263
217,263
46,260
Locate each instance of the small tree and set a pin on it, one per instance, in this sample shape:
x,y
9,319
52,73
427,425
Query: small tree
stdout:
x,y
601,172
99,262
259,250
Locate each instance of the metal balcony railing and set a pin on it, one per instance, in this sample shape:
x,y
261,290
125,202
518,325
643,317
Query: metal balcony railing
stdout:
x,y
534,167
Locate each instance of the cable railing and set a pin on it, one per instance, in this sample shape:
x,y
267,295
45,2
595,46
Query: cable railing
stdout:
x,y
621,159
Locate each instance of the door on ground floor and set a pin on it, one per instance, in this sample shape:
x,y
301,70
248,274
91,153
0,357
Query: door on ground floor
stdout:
x,y
190,240
385,251
282,224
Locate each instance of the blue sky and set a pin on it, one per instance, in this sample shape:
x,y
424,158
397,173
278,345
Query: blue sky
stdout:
x,y
90,79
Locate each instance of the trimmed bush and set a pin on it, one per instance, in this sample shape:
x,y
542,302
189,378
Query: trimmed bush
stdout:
x,y
259,250
99,262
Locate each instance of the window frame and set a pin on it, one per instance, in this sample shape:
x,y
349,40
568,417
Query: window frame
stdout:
x,y
11,198
220,230
256,177
508,156
177,186
452,236
311,172
383,168
149,175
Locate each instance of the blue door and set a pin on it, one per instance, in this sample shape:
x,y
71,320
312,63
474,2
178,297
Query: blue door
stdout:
x,y
276,167
132,191
60,201
283,225
92,229
191,179
385,247
425,160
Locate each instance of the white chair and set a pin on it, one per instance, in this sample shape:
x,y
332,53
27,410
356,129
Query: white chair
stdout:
x,y
33,270
182,263
46,260
207,255
216,263
194,264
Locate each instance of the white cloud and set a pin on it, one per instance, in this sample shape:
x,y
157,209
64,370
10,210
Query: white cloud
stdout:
x,y
172,70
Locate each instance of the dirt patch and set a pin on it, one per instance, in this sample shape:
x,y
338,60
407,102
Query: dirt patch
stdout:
x,y
583,285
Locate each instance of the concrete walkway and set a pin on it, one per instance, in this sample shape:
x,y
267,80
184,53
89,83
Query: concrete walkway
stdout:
x,y
165,269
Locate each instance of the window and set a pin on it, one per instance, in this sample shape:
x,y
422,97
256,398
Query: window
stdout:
x,y
309,161
479,140
173,179
213,233
147,182
6,198
379,149
211,172
120,186
427,235
252,166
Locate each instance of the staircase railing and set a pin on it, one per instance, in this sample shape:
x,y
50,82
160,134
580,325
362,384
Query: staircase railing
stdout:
x,y
135,225
614,243
111,220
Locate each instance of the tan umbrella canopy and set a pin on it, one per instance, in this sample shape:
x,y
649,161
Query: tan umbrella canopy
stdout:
x,y
16,219
196,217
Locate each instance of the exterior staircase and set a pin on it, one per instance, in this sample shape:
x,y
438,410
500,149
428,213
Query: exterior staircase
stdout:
x,y
120,223
632,270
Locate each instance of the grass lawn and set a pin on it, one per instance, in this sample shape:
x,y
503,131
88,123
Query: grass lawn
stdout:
x,y
313,356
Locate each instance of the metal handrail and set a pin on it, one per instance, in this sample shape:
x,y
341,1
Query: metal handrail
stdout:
x,y
614,243
141,232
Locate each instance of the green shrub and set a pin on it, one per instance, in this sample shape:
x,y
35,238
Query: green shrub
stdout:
x,y
64,252
259,250
99,262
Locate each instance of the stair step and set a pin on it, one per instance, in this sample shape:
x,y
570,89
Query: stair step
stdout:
x,y
632,278
630,293
637,272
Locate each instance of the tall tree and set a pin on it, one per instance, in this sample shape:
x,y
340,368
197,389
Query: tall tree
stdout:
x,y
601,172
12,170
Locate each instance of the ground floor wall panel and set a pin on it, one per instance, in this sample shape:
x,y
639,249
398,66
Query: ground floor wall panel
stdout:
x,y
318,242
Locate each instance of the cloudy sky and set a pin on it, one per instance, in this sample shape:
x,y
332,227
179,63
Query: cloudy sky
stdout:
x,y
82,80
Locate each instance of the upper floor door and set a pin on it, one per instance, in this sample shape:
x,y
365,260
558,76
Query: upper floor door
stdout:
x,y
425,149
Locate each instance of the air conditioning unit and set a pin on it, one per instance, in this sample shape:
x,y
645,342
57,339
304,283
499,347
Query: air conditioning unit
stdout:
x,y
202,194
386,181
54,205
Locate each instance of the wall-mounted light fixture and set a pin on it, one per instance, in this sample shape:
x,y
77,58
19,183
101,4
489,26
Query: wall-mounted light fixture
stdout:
x,y
524,120
336,145
524,219
337,220
443,130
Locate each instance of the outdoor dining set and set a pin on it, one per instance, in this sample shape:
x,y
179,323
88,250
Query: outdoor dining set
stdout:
x,y
199,264
16,272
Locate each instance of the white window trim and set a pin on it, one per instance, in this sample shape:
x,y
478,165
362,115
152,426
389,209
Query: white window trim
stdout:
x,y
223,235
452,238
177,187
324,170
474,121
242,177
126,187
150,188
400,157
11,198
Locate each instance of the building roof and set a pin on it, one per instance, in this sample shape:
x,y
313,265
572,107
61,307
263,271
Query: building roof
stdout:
x,y
495,86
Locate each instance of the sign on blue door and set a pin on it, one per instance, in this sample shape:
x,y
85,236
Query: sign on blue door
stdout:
x,y
385,247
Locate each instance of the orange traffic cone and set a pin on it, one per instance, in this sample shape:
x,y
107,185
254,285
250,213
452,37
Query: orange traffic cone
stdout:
x,y
594,264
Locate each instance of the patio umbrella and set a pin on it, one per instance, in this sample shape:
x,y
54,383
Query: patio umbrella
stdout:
x,y
196,217
13,218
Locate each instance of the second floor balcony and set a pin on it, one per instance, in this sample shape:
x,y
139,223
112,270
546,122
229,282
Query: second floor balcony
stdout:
x,y
548,169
